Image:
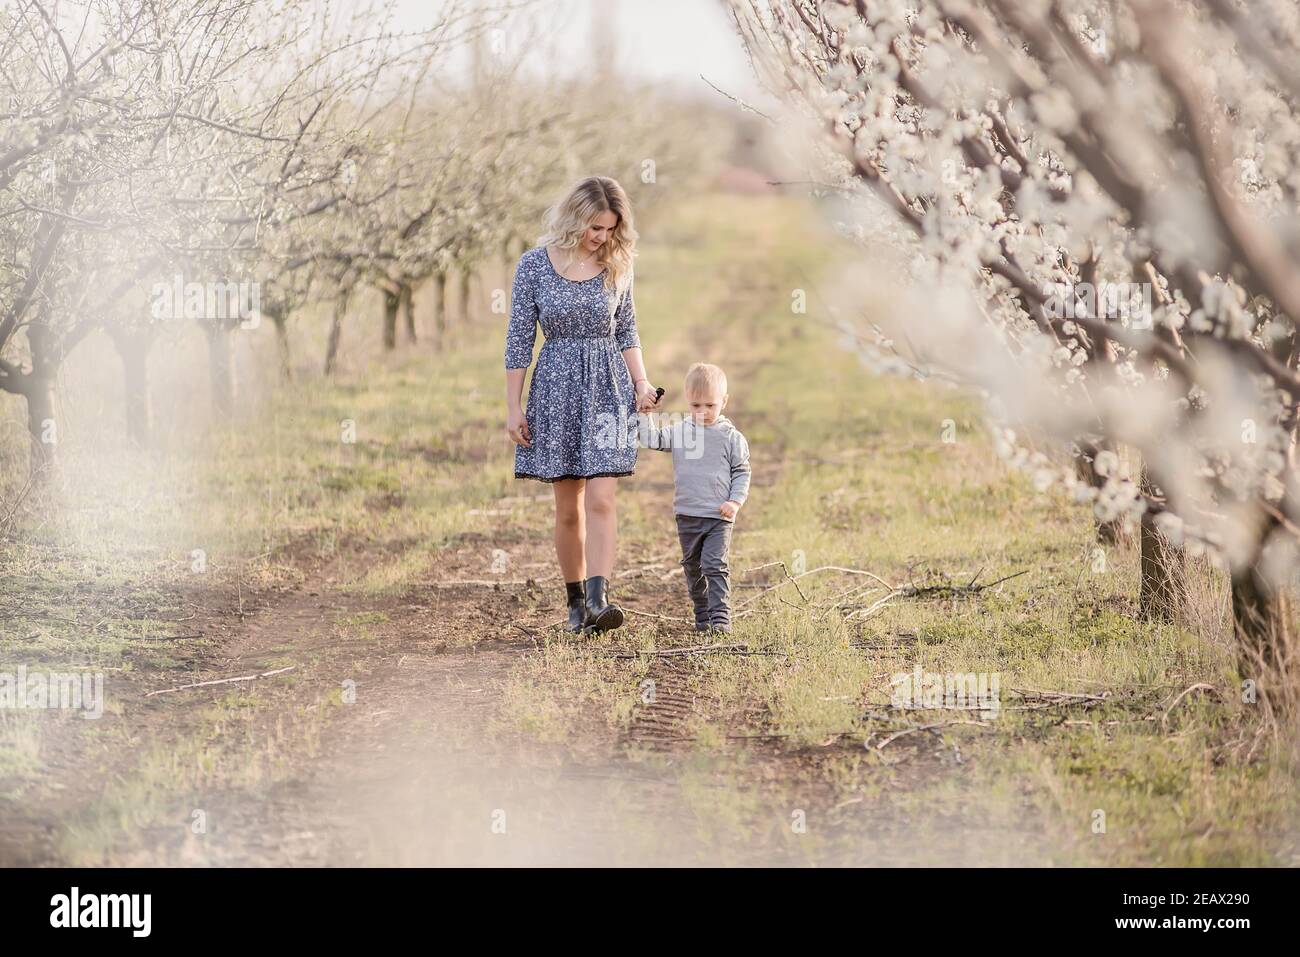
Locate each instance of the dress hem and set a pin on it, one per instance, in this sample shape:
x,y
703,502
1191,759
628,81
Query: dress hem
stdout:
x,y
562,478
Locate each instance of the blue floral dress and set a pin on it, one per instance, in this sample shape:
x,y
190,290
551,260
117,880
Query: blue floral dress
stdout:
x,y
581,403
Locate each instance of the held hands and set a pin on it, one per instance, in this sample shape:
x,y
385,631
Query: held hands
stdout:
x,y
517,426
646,398
728,509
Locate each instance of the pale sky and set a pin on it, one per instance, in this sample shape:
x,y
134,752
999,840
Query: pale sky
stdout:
x,y
663,41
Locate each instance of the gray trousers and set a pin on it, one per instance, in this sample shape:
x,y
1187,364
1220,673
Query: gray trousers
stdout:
x,y
706,543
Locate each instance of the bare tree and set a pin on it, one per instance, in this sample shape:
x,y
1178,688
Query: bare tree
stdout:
x,y
150,142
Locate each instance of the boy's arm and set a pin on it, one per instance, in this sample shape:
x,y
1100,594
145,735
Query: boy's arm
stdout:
x,y
740,470
650,437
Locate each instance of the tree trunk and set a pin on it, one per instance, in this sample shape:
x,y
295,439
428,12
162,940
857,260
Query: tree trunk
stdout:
x,y
1162,593
133,349
391,302
42,425
465,276
281,319
1108,532
221,371
407,303
37,389
439,309
336,333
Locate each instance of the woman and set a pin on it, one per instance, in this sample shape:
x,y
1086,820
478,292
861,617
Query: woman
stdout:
x,y
579,432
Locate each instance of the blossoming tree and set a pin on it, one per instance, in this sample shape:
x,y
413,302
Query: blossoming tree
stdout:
x,y
1102,192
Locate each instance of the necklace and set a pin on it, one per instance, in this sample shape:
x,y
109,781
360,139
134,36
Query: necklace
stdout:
x,y
569,267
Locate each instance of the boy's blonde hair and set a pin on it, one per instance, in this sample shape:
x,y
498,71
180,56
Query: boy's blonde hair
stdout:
x,y
703,378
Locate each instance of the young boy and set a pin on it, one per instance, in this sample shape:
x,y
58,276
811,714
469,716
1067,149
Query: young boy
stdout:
x,y
711,478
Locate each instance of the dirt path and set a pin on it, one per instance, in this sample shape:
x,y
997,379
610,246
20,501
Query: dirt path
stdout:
x,y
425,768
422,768
429,765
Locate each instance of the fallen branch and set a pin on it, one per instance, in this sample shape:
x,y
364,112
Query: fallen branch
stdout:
x,y
483,582
892,591
650,614
868,612
891,643
741,650
933,728
655,562
1059,695
971,588
639,571
1199,686
222,681
794,579
38,614
841,600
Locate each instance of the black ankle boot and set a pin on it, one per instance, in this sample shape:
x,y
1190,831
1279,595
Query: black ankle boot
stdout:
x,y
577,606
601,616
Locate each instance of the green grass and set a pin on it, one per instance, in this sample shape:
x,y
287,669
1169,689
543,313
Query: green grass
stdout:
x,y
247,739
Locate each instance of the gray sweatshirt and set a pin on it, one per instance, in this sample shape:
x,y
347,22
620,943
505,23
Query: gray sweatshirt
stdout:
x,y
710,463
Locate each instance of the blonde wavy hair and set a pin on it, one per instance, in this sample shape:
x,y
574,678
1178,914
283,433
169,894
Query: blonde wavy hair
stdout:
x,y
566,222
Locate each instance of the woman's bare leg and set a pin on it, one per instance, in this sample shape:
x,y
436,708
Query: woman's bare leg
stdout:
x,y
602,524
570,529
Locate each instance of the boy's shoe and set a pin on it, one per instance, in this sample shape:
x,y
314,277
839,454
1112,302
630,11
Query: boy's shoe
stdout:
x,y
577,600
601,616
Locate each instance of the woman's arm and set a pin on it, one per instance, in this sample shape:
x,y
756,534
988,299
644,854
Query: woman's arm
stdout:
x,y
516,421
629,343
646,400
521,335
